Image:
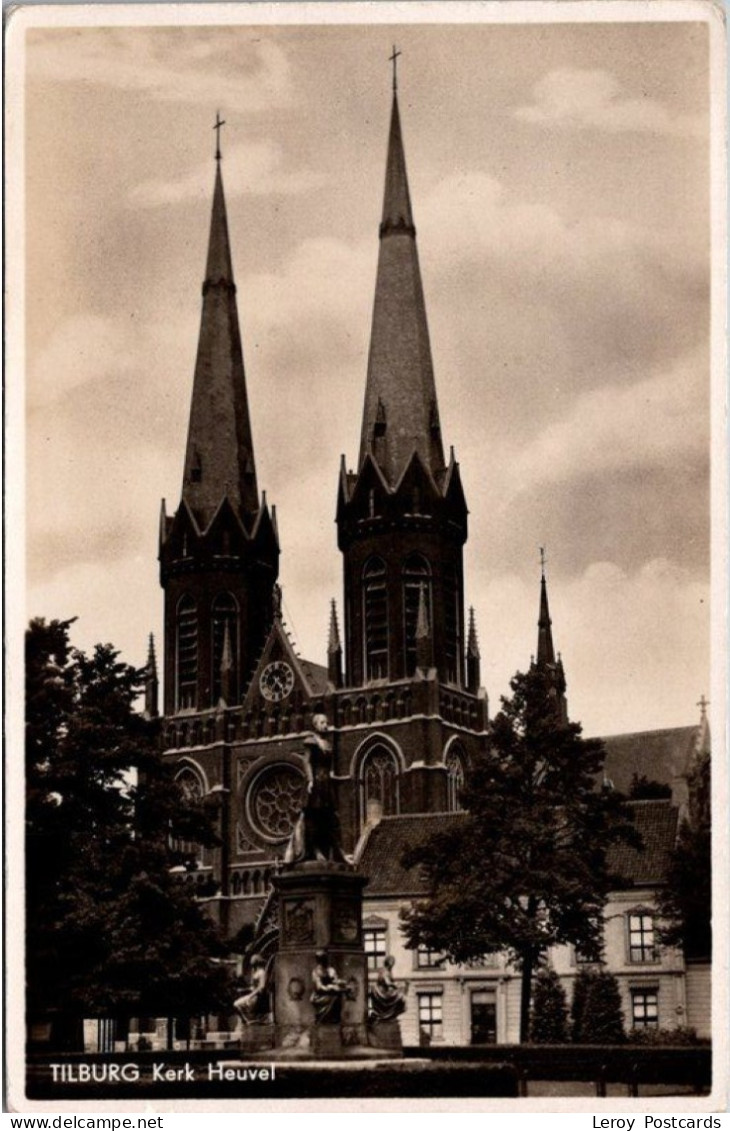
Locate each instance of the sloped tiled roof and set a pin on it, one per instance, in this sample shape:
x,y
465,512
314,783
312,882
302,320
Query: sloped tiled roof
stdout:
x,y
316,675
381,860
656,821
659,755
382,857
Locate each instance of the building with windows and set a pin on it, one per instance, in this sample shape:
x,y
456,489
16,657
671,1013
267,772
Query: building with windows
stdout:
x,y
401,686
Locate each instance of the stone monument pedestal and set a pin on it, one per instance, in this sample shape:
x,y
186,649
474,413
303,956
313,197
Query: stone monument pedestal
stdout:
x,y
386,1035
320,908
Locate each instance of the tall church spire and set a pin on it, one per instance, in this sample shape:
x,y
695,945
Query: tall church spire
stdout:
x,y
402,515
546,660
545,649
219,552
219,460
401,412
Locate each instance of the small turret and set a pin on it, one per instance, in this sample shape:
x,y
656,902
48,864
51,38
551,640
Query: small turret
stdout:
x,y
334,650
152,684
473,657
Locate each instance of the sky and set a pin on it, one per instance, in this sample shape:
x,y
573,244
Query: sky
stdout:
x,y
559,175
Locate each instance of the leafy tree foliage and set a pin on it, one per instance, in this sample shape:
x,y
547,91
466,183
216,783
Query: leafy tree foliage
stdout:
x,y
643,788
110,928
685,902
549,1018
581,986
526,867
600,1020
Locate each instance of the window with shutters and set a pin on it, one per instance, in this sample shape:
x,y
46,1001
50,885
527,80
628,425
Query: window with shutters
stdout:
x,y
416,577
224,615
375,618
186,654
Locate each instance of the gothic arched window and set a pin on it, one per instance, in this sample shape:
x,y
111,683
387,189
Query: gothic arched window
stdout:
x,y
224,615
186,654
193,790
416,573
375,617
454,780
379,781
452,643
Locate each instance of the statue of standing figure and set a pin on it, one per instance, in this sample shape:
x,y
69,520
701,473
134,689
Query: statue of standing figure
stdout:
x,y
328,991
387,1001
316,835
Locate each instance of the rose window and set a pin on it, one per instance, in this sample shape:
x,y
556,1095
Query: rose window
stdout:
x,y
276,800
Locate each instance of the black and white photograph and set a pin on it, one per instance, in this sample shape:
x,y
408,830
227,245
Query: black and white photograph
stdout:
x,y
366,522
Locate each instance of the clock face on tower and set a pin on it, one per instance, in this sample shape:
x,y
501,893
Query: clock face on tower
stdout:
x,y
277,681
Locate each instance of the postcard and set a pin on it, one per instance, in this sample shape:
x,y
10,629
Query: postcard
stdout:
x,y
367,567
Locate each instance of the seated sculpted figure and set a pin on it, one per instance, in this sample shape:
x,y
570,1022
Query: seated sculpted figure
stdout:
x,y
255,1004
387,1001
328,991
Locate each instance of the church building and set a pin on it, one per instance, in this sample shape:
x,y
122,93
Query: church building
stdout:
x,y
401,686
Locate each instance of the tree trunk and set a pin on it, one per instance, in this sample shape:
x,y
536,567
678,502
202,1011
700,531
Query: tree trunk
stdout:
x,y
526,993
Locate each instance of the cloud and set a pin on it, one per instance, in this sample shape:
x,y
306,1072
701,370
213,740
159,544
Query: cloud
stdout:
x,y
470,215
650,422
592,99
167,64
255,167
72,356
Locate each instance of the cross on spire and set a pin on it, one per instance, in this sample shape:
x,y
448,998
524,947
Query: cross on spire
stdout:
x,y
219,122
543,559
703,704
394,60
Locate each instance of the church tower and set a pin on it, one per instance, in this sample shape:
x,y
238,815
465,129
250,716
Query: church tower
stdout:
x,y
219,553
401,516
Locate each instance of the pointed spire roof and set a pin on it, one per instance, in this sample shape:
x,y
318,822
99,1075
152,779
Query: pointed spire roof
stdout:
x,y
401,410
545,649
151,709
333,644
151,658
397,212
219,459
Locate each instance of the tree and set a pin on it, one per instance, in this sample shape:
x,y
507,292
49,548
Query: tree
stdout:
x,y
643,788
581,986
602,1020
526,867
685,901
549,1019
110,928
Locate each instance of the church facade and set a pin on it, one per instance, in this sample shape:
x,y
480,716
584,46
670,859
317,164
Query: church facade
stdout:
x,y
401,687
